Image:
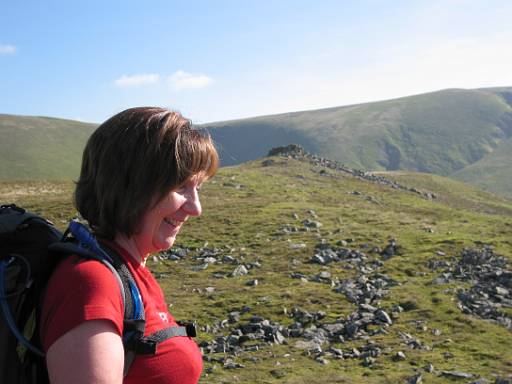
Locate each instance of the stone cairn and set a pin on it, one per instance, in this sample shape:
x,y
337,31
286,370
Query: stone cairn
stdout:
x,y
295,151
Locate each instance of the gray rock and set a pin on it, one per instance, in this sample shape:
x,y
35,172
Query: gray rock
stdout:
x,y
457,374
230,364
234,317
310,346
368,361
229,259
241,270
416,379
311,224
383,316
200,267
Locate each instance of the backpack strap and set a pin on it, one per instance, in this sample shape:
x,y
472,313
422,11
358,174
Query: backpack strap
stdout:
x,y
134,323
148,345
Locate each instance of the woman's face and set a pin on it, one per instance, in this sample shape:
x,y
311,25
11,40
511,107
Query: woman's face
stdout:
x,y
162,223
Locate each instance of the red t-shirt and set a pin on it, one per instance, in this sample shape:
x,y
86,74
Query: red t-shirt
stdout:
x,y
81,290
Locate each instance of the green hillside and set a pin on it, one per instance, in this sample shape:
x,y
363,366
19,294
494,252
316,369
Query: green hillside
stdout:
x,y
36,148
464,133
273,216
492,173
440,132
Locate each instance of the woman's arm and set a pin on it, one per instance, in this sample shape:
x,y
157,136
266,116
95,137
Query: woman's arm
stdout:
x,y
90,353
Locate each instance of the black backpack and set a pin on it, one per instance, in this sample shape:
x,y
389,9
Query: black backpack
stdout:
x,y
30,249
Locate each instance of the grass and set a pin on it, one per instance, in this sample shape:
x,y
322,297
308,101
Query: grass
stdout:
x,y
245,209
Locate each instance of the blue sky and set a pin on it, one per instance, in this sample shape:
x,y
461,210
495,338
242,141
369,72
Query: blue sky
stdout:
x,y
221,60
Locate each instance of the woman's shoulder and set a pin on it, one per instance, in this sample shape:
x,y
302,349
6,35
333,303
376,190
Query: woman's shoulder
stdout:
x,y
80,290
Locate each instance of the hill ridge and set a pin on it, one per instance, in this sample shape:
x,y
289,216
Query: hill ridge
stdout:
x,y
296,152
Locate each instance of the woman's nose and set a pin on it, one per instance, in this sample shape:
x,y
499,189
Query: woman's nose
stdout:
x,y
193,204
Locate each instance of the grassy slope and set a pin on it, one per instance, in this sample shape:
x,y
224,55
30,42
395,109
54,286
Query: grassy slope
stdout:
x,y
245,223
35,148
492,173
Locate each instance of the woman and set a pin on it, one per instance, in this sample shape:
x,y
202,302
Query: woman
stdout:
x,y
141,172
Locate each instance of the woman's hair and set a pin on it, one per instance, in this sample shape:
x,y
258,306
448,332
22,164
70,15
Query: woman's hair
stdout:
x,y
132,161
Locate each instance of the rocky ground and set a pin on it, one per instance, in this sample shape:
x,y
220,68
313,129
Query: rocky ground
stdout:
x,y
295,151
323,340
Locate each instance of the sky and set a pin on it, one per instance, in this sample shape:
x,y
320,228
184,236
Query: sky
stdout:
x,y
221,60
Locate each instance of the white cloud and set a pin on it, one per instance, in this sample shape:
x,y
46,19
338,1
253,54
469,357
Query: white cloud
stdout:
x,y
180,80
137,80
7,49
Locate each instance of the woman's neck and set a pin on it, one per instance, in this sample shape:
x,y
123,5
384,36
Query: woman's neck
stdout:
x,y
130,245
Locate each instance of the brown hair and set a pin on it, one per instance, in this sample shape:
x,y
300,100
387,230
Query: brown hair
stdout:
x,y
133,160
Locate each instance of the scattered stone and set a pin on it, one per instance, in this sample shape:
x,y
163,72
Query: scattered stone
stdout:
x,y
229,259
399,356
368,361
310,346
312,213
322,361
390,250
200,267
230,364
429,368
252,283
416,379
457,374
311,223
241,270
383,316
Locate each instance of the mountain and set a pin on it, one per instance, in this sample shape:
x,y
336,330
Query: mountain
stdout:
x,y
36,148
304,271
459,133
440,132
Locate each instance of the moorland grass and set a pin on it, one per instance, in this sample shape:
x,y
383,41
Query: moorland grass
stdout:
x,y
245,210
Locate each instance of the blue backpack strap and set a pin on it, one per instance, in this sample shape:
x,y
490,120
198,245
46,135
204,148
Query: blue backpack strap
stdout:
x,y
134,322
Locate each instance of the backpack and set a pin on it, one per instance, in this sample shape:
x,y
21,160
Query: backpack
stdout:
x,y
30,249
